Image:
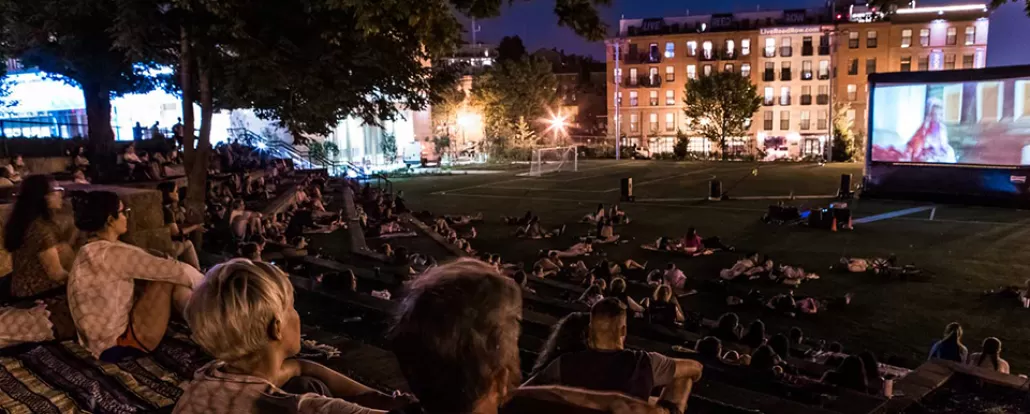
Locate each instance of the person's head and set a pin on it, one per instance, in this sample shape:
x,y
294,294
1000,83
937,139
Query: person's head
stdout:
x,y
663,243
709,347
953,332
39,197
934,109
553,254
455,336
670,266
97,211
872,367
169,192
691,232
350,281
764,358
991,351
851,373
568,335
520,278
243,313
591,291
618,286
386,249
259,240
756,331
607,324
130,148
600,207
662,293
796,336
238,204
601,284
728,322
250,251
780,344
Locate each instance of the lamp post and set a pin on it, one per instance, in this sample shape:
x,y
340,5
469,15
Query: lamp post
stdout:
x,y
557,125
616,45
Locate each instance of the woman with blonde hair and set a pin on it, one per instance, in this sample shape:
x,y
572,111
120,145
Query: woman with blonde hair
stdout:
x,y
243,315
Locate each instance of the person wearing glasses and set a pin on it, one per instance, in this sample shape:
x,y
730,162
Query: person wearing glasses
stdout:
x,y
117,318
37,245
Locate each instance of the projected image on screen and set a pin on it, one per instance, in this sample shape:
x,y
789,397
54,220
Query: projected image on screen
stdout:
x,y
985,123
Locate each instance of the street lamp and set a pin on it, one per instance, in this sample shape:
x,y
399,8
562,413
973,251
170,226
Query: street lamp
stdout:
x,y
558,123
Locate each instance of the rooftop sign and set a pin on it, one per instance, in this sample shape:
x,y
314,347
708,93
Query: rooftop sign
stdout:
x,y
794,30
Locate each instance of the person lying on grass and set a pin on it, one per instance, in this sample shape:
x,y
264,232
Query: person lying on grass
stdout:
x,y
618,216
576,250
533,230
750,266
243,315
461,220
517,221
594,217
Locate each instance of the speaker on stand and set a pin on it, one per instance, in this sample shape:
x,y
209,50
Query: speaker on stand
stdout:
x,y
844,192
626,185
715,190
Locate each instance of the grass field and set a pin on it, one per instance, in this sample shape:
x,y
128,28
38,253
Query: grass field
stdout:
x,y
970,249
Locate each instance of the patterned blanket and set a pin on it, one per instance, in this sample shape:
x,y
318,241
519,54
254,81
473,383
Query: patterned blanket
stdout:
x,y
64,378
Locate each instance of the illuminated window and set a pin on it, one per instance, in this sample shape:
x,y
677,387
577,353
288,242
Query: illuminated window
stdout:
x,y
670,97
670,49
670,73
784,120
633,99
653,124
730,49
633,76
852,92
853,40
745,70
906,38
670,122
654,98
692,48
785,95
770,47
970,35
806,70
924,37
707,70
936,60
952,38
824,69
706,50
821,119
745,47
806,121
870,39
618,99
691,71
768,95
618,75
727,68
634,123
652,75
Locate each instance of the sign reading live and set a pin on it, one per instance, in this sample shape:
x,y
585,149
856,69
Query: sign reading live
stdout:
x,y
794,30
652,25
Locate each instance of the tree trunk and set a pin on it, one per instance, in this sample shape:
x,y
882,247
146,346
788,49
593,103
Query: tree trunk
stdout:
x,y
196,192
186,84
101,136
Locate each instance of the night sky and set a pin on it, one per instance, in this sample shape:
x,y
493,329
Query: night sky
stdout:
x,y
535,23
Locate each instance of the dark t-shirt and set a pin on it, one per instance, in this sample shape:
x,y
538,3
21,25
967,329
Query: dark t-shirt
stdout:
x,y
949,351
631,372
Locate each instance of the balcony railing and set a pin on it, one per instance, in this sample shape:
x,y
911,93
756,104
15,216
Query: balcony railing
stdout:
x,y
824,50
631,81
650,81
785,74
642,57
769,75
822,99
806,75
786,51
728,55
785,101
824,75
806,50
768,101
654,102
806,99
769,52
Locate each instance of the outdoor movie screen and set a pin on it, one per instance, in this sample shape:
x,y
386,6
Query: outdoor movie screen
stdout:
x,y
978,122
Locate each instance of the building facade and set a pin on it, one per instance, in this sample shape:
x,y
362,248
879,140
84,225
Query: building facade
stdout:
x,y
804,63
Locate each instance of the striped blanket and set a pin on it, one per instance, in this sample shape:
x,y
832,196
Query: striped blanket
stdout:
x,y
64,378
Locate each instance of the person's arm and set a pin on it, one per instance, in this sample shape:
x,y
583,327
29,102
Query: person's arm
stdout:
x,y
51,262
173,229
342,386
551,374
679,314
139,264
633,305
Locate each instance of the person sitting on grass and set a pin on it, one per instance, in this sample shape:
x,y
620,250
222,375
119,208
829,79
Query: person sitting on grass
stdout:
x,y
520,279
567,336
175,221
608,366
796,336
755,336
595,217
605,232
250,251
461,220
872,370
243,316
618,291
849,374
728,328
455,335
534,231
710,348
520,221
780,344
950,348
662,308
990,356
550,262
593,294
618,216
121,297
674,277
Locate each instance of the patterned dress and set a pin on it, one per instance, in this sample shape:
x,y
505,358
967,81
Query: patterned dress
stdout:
x,y
29,278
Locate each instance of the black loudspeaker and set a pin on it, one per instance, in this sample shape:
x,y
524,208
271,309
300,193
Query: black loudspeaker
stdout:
x,y
715,190
845,186
626,184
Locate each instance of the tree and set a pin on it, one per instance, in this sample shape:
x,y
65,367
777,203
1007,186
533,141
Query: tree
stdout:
x,y
680,149
523,136
721,105
843,134
388,145
512,90
510,48
323,152
451,101
70,39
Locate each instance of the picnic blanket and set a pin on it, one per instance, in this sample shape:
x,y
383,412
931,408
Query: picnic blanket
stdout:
x,y
62,377
654,248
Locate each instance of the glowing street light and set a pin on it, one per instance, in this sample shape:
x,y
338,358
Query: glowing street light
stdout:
x,y
558,124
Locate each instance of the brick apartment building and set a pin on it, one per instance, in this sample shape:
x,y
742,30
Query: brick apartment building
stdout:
x,y
802,62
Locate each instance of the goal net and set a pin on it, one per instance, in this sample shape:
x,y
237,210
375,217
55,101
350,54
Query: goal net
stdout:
x,y
552,160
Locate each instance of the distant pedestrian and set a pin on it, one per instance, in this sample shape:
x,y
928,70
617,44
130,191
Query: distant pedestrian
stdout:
x,y
177,131
155,131
137,132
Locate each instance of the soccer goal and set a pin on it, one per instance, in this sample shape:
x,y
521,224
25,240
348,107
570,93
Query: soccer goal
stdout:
x,y
552,160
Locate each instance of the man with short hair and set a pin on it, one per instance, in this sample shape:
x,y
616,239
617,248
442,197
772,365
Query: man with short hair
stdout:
x,y
608,366
456,341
